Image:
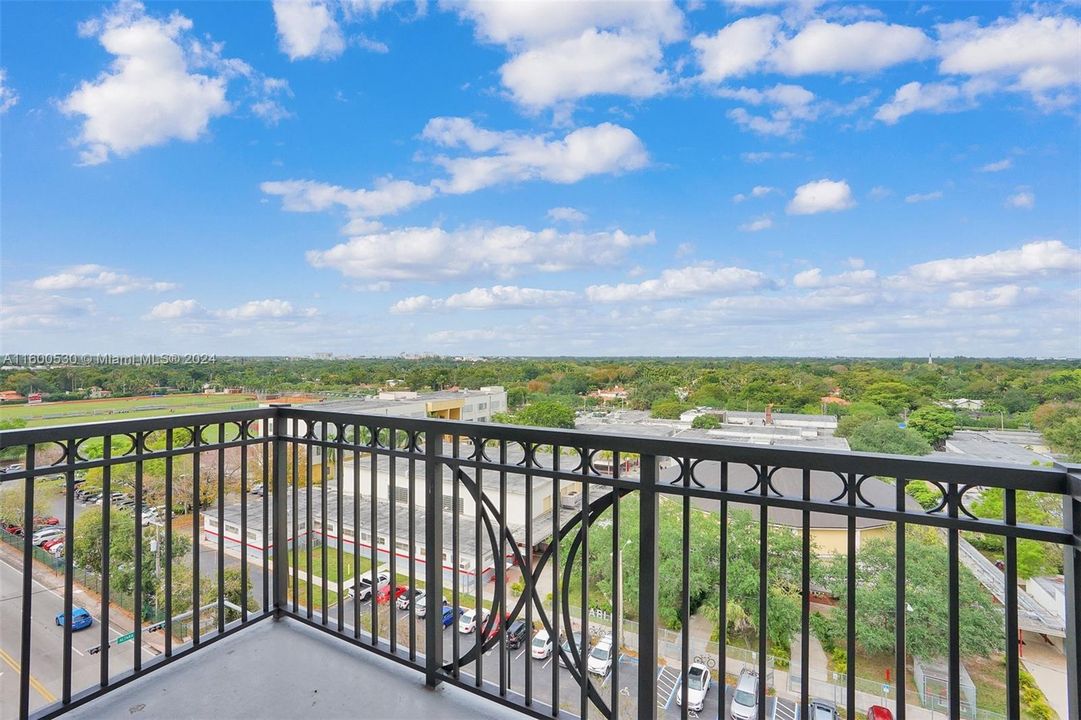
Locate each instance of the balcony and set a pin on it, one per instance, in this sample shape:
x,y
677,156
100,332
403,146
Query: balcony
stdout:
x,y
243,585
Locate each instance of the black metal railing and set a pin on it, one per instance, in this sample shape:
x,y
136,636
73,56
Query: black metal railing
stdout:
x,y
348,505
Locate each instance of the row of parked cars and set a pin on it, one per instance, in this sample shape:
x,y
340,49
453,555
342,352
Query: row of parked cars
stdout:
x,y
152,514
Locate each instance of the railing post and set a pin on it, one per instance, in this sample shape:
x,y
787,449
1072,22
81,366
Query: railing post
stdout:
x,y
648,520
280,506
433,558
1071,518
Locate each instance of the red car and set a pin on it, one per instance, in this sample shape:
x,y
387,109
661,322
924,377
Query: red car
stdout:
x,y
46,520
50,544
13,529
383,596
877,712
494,632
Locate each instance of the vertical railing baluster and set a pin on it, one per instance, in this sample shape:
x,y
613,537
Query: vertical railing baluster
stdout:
x,y
648,531
850,669
1013,665
392,546
28,585
478,567
244,521
500,563
373,467
339,457
583,526
356,531
954,624
685,599
69,564
617,587
266,516
106,531
455,559
722,600
901,606
556,624
195,545
294,551
763,589
137,664
309,525
1071,516
280,503
433,557
527,568
805,598
412,532
168,550
324,457
221,528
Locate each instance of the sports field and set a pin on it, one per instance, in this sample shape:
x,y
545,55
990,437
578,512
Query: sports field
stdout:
x,y
82,411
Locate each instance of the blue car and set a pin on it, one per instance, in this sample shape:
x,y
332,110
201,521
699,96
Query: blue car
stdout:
x,y
448,616
80,619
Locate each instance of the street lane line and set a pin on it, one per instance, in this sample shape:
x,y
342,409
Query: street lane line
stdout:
x,y
519,655
34,682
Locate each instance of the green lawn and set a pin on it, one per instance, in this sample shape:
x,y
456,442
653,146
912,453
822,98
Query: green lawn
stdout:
x,y
332,563
81,411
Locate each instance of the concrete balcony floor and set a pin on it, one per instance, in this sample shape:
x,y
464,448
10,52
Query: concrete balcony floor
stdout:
x,y
283,669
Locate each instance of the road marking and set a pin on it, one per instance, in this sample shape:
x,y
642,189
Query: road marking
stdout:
x,y
519,655
34,682
547,663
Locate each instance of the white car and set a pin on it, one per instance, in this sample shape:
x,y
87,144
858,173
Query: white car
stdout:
x,y
745,698
467,623
698,682
47,534
362,590
541,647
599,661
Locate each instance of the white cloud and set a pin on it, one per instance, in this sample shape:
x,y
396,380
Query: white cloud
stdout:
x,y
791,102
757,224
1002,296
1022,199
175,309
758,191
880,192
307,28
493,298
429,253
269,309
34,312
923,197
997,166
518,24
388,196
736,49
929,97
684,282
1043,257
814,278
1037,55
756,158
566,214
821,196
98,277
594,63
825,47
600,149
150,95
8,97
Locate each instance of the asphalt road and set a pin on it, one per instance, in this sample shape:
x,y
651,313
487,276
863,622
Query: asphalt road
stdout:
x,y
46,643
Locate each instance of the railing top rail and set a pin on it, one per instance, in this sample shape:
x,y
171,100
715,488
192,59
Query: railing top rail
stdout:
x,y
939,469
78,431
950,470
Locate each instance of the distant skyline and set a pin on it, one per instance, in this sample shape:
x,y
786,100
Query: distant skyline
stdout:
x,y
744,178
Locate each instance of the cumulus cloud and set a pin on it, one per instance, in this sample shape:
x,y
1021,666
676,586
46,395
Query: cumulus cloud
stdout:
x,y
151,94
936,97
307,28
98,277
387,197
493,298
566,214
514,157
764,222
1002,296
997,166
814,278
1022,199
1042,257
8,97
923,197
175,310
758,191
269,309
821,196
425,253
736,49
672,284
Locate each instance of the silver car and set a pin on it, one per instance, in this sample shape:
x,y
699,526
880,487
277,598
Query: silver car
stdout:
x,y
745,699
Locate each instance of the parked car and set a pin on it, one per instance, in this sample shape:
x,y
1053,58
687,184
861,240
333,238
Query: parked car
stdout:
x,y
541,647
745,698
383,596
47,534
13,529
467,623
698,682
256,489
516,633
14,467
80,619
566,657
599,661
50,544
410,598
819,709
39,520
362,590
448,616
57,550
877,712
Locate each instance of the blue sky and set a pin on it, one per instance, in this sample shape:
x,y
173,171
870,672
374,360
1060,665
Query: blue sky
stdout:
x,y
638,178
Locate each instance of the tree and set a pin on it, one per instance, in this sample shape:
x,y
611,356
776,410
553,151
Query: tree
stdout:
x,y
933,423
927,624
892,395
668,409
546,413
12,503
884,436
706,422
1033,558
